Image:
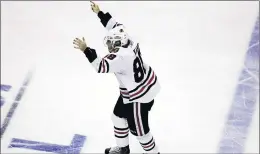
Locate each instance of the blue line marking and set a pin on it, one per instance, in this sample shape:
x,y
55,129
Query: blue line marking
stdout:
x,y
15,104
75,146
5,88
244,101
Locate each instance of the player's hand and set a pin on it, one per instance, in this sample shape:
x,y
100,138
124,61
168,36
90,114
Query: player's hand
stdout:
x,y
94,7
80,44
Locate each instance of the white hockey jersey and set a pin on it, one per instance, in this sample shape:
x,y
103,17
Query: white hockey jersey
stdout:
x,y
137,80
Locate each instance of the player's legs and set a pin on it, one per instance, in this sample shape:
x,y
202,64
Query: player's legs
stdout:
x,y
139,125
121,129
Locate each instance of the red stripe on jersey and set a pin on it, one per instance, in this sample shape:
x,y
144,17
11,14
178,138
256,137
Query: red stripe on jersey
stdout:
x,y
142,89
125,93
122,88
143,82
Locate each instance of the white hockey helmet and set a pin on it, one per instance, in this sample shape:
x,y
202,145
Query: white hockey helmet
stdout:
x,y
116,37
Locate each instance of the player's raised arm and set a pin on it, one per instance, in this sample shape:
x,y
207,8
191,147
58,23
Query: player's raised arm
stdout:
x,y
109,64
106,19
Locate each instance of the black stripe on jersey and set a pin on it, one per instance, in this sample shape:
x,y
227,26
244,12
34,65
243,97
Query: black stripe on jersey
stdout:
x,y
121,136
107,65
143,144
149,87
148,76
126,97
122,88
100,65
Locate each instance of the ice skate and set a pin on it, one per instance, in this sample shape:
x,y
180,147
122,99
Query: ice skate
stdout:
x,y
118,150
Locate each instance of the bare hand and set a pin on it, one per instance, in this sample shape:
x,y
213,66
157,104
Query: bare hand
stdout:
x,y
80,44
94,7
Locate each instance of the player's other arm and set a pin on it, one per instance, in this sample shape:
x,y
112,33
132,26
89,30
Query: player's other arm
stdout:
x,y
109,64
106,19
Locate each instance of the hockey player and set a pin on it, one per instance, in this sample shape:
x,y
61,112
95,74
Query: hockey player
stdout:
x,y
138,84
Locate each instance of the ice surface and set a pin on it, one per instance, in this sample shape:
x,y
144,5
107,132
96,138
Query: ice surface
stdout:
x,y
197,50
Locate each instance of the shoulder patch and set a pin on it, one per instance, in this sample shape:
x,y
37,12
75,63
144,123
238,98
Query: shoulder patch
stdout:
x,y
110,56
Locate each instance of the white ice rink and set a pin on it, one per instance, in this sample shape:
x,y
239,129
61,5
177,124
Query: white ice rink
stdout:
x,y
197,50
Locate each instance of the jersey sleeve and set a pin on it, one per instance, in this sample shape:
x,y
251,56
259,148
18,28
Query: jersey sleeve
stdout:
x,y
107,21
111,63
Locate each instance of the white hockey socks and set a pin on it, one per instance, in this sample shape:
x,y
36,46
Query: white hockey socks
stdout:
x,y
148,143
121,131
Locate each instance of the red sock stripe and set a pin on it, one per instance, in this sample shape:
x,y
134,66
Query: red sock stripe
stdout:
x,y
148,146
117,132
153,145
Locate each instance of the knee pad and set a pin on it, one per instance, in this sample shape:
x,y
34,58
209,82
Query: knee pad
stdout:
x,y
119,122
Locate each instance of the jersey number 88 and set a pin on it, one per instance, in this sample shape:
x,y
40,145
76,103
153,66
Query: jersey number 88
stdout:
x,y
138,68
